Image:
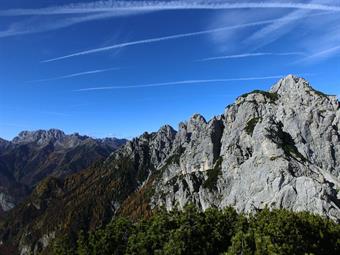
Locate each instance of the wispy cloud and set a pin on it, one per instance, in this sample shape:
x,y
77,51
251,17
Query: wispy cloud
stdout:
x,y
108,9
248,55
272,32
323,40
321,54
121,6
275,30
28,27
76,74
301,30
322,28
68,15
181,83
160,39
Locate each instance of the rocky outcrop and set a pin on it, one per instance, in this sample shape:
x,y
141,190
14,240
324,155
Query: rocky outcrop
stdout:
x,y
4,144
6,202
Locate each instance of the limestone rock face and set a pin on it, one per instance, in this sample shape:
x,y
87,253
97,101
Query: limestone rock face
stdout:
x,y
313,120
200,144
6,202
278,149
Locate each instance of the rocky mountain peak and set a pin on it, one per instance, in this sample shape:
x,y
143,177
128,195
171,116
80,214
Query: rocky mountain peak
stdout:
x,y
56,137
34,155
297,93
297,87
291,84
197,118
4,143
196,122
168,131
39,136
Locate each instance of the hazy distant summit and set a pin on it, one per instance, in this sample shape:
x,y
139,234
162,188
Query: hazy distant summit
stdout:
x,y
33,155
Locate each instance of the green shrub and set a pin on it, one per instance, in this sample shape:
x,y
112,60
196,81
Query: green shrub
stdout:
x,y
213,174
211,232
251,125
271,96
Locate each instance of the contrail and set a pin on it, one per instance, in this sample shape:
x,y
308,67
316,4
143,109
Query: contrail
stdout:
x,y
76,75
110,9
320,54
258,54
22,28
184,82
116,6
165,38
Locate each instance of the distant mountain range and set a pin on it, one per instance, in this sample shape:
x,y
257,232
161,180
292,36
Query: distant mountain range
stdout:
x,y
277,149
34,155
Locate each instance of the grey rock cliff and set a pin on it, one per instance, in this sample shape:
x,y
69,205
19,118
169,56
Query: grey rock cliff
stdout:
x,y
276,149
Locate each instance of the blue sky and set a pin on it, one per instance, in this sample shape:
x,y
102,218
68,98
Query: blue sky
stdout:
x,y
119,68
